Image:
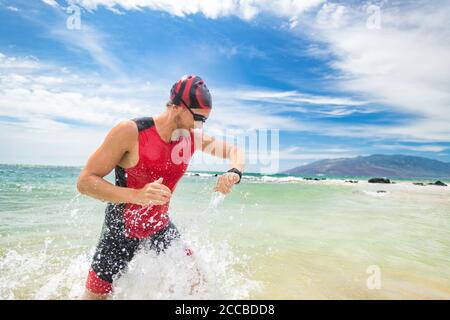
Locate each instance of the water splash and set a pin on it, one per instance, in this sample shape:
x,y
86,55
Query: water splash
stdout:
x,y
57,271
42,275
208,274
216,199
52,262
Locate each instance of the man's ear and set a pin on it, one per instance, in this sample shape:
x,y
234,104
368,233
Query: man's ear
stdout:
x,y
171,106
176,107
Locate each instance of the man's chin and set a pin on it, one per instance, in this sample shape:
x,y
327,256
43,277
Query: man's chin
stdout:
x,y
186,127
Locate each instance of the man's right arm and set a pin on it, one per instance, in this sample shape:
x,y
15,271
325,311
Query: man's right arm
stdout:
x,y
118,142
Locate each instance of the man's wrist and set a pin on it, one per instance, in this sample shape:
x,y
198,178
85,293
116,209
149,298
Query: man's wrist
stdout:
x,y
238,172
131,195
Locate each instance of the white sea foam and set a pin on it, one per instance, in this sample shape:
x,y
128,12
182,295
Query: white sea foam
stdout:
x,y
280,179
375,193
202,175
208,274
42,275
68,282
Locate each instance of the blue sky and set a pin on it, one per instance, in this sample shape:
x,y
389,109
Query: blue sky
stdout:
x,y
335,80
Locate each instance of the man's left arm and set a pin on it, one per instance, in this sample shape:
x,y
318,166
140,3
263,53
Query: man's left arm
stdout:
x,y
222,149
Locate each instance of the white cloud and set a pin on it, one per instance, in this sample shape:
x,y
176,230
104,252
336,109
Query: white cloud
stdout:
x,y
52,3
245,9
48,101
331,15
282,102
29,63
332,152
404,65
421,148
289,97
55,116
42,141
11,8
46,107
291,159
341,112
82,36
293,22
35,89
53,104
41,105
91,41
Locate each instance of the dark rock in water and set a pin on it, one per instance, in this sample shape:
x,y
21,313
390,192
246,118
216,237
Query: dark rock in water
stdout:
x,y
196,175
308,178
438,183
379,180
418,183
216,175
316,179
381,191
352,181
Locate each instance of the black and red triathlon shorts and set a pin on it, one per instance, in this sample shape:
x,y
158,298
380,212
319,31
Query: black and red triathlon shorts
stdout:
x,y
115,250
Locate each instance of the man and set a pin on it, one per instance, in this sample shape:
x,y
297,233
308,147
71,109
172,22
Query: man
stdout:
x,y
149,156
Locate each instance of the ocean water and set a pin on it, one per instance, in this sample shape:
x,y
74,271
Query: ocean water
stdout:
x,y
273,237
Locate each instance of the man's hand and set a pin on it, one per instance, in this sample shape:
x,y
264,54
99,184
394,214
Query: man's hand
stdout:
x,y
226,181
154,193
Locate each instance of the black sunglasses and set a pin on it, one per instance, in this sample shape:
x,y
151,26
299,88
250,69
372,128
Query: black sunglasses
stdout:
x,y
197,117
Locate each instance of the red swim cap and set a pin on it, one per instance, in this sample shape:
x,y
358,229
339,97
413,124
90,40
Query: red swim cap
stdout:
x,y
193,91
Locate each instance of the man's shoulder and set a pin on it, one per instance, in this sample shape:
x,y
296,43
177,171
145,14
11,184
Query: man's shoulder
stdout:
x,y
127,126
143,123
126,131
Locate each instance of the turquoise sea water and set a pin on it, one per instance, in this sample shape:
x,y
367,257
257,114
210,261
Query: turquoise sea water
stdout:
x,y
272,237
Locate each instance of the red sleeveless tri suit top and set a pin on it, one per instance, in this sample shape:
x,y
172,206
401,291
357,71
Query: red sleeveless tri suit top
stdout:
x,y
157,159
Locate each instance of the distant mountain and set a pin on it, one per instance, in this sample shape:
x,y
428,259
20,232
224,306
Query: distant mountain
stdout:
x,y
377,165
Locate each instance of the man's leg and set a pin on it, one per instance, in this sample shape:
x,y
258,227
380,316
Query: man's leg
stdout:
x,y
164,240
88,295
114,251
96,288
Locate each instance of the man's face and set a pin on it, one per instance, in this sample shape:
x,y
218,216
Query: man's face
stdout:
x,y
187,119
